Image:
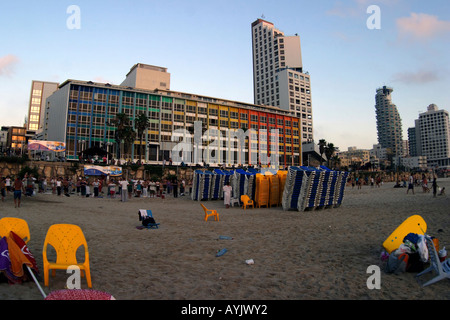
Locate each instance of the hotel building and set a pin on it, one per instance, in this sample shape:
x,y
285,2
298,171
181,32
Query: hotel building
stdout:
x,y
40,91
80,113
278,76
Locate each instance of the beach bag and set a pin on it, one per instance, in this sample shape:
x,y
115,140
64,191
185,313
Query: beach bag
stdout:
x,y
397,264
147,221
415,263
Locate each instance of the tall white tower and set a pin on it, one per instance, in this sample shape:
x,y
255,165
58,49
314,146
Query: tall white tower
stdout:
x,y
278,77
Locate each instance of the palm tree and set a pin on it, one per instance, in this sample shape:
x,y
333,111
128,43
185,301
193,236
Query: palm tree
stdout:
x,y
141,123
129,135
322,145
329,151
335,161
122,122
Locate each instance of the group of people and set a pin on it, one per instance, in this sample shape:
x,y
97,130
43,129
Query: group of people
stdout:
x,y
359,181
17,187
414,180
150,188
91,187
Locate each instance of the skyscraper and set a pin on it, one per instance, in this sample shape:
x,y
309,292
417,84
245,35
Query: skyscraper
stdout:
x,y
278,76
389,124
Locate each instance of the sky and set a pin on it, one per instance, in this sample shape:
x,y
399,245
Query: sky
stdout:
x,y
350,48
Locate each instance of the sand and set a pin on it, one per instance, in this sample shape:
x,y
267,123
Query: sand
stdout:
x,y
320,254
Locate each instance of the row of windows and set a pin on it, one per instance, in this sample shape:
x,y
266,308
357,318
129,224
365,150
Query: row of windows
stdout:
x,y
154,114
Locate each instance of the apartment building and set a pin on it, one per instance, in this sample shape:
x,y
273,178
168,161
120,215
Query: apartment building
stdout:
x,y
431,136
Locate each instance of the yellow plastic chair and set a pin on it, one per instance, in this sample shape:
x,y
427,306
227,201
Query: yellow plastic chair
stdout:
x,y
210,213
247,202
65,239
17,225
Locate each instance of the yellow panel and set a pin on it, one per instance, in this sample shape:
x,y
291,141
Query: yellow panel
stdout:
x,y
414,224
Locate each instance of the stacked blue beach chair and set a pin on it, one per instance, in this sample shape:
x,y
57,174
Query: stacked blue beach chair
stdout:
x,y
202,185
294,189
309,188
244,183
217,184
340,188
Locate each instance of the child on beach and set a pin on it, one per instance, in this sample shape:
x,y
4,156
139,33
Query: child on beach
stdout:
x,y
112,189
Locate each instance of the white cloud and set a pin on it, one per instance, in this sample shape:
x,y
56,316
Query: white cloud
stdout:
x,y
422,26
419,77
7,64
356,8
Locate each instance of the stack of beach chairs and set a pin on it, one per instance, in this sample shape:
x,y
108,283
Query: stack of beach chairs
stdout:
x,y
309,188
262,192
299,188
202,185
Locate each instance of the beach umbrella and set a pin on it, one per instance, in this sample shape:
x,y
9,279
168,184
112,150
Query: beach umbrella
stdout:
x,y
14,257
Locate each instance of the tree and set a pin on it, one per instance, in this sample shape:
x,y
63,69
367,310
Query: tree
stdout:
x,y
322,145
141,123
129,135
329,151
122,123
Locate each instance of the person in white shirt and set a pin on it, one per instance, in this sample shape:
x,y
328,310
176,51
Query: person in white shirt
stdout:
x,y
227,194
124,193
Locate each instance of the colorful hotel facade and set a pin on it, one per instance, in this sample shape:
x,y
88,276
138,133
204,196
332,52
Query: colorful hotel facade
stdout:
x,y
80,113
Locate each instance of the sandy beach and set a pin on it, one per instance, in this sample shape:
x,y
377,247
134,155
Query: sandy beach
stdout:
x,y
320,254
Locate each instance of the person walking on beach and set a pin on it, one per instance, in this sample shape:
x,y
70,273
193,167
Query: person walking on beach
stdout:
x,y
58,186
434,187
410,184
83,185
66,186
124,193
227,194
18,186
8,184
175,188
95,185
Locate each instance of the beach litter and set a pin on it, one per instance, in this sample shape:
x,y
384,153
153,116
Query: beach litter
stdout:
x,y
249,261
225,238
221,252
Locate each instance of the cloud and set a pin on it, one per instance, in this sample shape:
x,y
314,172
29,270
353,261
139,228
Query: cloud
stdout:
x,y
7,64
419,77
342,11
355,8
102,80
422,26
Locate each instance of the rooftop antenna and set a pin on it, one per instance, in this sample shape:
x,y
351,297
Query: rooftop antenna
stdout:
x,y
262,16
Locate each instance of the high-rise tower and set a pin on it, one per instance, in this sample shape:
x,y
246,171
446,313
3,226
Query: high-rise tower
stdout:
x,y
278,77
389,124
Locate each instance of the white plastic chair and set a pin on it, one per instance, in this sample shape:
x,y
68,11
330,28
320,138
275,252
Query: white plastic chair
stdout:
x,y
441,268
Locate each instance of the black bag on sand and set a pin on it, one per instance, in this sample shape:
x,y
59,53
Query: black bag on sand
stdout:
x,y
147,221
415,264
